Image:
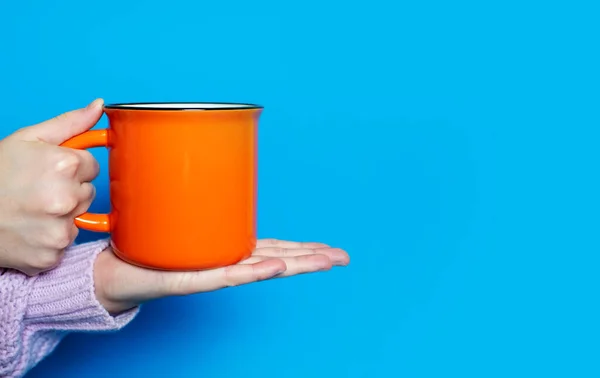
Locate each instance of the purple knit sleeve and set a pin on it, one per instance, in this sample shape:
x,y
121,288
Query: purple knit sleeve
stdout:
x,y
36,312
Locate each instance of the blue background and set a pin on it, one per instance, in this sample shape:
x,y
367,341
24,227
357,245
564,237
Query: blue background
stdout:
x,y
450,147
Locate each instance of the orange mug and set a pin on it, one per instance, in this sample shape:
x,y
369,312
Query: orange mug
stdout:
x,y
182,183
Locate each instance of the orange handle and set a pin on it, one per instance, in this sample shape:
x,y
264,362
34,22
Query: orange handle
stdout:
x,y
89,139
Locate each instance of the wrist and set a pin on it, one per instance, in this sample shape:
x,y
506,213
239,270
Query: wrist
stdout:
x,y
64,298
105,270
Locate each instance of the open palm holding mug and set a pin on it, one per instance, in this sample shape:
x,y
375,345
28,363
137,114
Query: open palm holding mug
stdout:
x,y
121,286
183,196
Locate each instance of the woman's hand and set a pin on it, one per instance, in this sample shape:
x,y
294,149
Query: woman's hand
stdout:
x,y
43,187
120,286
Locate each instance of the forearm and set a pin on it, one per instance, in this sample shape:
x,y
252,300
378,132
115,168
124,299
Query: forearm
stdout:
x,y
36,312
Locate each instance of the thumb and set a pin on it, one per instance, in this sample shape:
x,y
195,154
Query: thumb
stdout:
x,y
65,126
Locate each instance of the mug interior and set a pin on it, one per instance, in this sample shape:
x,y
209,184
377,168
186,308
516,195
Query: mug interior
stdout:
x,y
183,106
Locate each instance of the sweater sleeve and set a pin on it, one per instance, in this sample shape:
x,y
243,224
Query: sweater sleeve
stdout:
x,y
37,312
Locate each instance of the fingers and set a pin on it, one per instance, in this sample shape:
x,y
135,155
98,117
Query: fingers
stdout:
x,y
336,255
272,259
76,164
61,192
88,167
86,194
276,243
304,264
65,198
257,268
236,275
65,126
297,264
210,280
143,285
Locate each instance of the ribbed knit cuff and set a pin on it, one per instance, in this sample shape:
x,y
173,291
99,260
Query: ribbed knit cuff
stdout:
x,y
63,299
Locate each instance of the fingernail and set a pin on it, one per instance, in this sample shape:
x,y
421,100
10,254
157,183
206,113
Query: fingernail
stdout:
x,y
97,103
278,272
341,261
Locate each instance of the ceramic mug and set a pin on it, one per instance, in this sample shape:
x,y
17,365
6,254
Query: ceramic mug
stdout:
x,y
182,183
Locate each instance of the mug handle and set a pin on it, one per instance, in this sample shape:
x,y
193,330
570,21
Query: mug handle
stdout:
x,y
89,139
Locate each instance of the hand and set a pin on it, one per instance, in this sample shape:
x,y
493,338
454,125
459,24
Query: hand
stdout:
x,y
43,187
121,286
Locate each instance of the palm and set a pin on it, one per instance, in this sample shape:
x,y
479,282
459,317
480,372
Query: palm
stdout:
x,y
126,285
